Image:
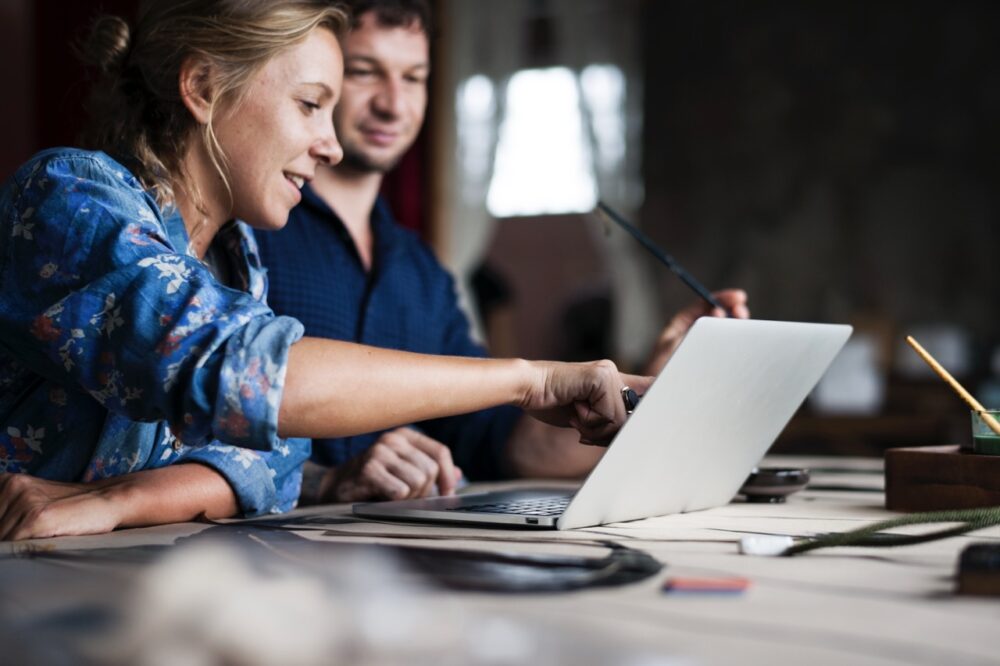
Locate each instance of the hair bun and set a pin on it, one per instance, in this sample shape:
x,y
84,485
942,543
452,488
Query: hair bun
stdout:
x,y
107,43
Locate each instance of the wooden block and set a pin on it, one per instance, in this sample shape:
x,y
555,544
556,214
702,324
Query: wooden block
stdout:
x,y
935,478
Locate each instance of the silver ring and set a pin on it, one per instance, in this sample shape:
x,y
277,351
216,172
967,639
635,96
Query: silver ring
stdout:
x,y
630,398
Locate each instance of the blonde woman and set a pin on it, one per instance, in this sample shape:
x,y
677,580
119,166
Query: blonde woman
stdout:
x,y
143,378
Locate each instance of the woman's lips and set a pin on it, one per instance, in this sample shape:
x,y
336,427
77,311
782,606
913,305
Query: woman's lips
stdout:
x,y
295,183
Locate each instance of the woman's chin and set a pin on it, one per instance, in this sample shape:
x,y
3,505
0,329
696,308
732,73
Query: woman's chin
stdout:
x,y
268,222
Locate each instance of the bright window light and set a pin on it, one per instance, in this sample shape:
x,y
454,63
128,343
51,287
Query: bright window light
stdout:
x,y
543,161
604,93
475,108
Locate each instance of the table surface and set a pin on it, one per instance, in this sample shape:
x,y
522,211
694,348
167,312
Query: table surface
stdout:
x,y
856,605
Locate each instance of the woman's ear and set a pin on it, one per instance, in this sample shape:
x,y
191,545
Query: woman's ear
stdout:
x,y
195,88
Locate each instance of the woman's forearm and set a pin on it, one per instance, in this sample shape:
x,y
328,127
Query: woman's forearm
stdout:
x,y
172,494
336,388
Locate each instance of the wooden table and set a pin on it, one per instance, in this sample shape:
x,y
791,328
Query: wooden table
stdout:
x,y
848,605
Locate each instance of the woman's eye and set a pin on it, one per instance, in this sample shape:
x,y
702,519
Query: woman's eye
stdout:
x,y
308,105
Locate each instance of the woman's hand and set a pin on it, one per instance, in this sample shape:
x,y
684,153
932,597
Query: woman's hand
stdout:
x,y
33,508
585,396
733,300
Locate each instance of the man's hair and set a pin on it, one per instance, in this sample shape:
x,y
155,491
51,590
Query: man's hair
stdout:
x,y
393,13
136,112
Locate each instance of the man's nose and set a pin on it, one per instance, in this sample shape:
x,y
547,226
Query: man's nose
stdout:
x,y
389,100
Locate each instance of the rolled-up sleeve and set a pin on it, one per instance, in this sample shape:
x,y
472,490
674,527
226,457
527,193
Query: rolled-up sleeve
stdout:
x,y
264,482
94,293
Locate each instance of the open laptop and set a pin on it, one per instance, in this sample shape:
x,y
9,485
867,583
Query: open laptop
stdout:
x,y
710,416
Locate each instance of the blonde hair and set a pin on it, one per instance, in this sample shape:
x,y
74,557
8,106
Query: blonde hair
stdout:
x,y
137,114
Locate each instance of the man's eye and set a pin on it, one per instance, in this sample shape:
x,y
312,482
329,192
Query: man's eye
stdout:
x,y
360,72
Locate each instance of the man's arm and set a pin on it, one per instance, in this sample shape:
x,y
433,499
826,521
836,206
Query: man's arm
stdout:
x,y
539,450
405,463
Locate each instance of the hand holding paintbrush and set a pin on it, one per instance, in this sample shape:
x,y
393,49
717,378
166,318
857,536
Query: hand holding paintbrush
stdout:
x,y
728,302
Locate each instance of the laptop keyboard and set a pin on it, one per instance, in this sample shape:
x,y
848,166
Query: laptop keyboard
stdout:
x,y
545,506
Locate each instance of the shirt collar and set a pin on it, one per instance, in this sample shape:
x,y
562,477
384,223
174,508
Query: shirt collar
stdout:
x,y
384,227
234,237
176,231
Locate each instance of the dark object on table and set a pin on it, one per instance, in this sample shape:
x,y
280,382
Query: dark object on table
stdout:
x,y
773,484
937,478
491,571
979,570
457,568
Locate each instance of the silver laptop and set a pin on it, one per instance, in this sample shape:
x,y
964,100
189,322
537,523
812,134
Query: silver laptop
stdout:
x,y
710,416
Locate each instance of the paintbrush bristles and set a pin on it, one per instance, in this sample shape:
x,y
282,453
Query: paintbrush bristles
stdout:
x,y
958,388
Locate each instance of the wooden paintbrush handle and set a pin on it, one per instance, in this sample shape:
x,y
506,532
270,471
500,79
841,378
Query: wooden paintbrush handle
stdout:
x,y
959,389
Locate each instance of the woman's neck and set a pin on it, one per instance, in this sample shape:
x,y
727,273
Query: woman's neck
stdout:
x,y
202,202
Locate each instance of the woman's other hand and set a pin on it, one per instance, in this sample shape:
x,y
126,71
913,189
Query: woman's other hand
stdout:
x,y
32,508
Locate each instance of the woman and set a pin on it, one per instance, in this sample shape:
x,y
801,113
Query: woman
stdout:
x,y
134,335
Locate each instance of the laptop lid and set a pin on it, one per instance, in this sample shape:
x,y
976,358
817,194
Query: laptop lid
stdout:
x,y
719,404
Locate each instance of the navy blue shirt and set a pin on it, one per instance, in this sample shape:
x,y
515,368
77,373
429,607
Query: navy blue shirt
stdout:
x,y
406,301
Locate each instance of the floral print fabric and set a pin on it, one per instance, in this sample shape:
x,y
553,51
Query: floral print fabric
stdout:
x,y
119,349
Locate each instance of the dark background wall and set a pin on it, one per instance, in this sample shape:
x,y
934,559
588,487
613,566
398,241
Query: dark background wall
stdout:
x,y
839,159
45,81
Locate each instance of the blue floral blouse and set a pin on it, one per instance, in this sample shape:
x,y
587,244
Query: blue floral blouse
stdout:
x,y
119,349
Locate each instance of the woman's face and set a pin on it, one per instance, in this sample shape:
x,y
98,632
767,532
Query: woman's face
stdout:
x,y
283,130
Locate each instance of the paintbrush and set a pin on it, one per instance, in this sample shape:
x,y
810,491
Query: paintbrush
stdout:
x,y
664,258
953,383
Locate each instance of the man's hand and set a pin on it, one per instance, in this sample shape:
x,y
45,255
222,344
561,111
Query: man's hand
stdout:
x,y
733,300
402,464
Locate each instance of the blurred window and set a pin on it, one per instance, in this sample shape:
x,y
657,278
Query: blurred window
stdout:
x,y
556,129
476,112
603,89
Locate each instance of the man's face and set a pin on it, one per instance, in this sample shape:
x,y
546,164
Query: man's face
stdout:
x,y
384,94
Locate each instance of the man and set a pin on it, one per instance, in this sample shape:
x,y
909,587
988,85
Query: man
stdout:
x,y
346,270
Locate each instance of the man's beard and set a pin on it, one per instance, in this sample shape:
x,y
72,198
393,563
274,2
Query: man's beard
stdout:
x,y
356,160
